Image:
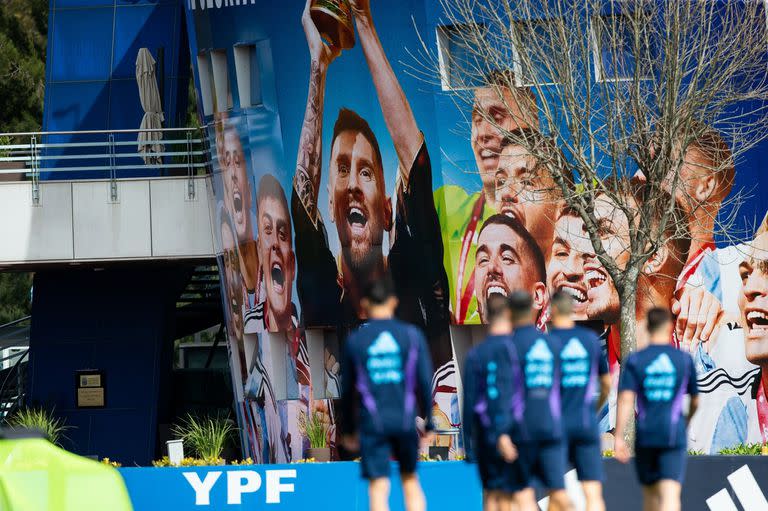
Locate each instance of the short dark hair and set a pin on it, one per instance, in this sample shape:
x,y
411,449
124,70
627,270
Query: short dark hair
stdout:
x,y
349,120
541,144
270,187
520,304
380,290
657,318
497,306
530,242
562,303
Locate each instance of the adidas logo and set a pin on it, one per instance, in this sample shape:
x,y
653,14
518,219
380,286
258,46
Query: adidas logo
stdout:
x,y
747,491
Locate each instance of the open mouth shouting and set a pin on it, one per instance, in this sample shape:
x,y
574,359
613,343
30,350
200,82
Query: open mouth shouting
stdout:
x,y
578,293
596,279
278,277
757,323
495,288
357,219
489,157
508,209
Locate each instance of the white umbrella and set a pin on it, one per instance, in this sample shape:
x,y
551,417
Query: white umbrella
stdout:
x,y
153,113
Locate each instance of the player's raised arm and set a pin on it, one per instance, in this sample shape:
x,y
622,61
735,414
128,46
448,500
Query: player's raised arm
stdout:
x,y
306,180
397,112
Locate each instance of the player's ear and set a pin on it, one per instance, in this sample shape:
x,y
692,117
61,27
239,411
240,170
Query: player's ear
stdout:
x,y
705,188
540,296
388,221
657,260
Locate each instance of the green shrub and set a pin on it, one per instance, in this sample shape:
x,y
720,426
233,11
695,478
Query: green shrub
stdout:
x,y
40,419
743,450
315,429
205,436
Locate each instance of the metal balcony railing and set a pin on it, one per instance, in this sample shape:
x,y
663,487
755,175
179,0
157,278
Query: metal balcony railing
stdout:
x,y
112,155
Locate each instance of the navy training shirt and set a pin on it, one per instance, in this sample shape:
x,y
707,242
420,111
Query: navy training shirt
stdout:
x,y
538,356
660,375
582,364
489,394
385,368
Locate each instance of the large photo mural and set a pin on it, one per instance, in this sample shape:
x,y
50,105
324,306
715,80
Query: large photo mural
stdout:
x,y
334,163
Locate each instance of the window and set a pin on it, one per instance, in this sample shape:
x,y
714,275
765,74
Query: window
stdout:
x,y
206,83
247,70
460,66
222,90
533,44
616,55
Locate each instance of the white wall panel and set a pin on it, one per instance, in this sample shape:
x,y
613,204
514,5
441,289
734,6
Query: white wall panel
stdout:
x,y
35,232
180,226
105,229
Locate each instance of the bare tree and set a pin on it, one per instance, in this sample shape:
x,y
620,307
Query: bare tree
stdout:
x,y
624,88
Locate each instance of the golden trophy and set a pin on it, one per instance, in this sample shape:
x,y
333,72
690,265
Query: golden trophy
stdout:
x,y
333,19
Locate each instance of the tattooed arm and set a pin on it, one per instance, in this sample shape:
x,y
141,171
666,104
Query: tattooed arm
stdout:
x,y
397,112
306,181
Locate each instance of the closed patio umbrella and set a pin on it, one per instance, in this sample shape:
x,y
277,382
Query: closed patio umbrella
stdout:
x,y
149,141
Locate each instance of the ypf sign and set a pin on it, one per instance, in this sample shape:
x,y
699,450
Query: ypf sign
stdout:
x,y
241,482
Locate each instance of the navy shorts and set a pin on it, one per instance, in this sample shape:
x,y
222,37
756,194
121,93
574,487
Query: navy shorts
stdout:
x,y
586,457
376,451
656,463
498,475
545,461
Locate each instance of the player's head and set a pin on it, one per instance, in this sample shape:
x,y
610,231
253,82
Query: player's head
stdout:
x,y
521,306
659,325
507,259
706,174
498,108
562,304
497,309
380,296
275,249
358,201
571,248
753,300
524,186
237,188
662,268
233,282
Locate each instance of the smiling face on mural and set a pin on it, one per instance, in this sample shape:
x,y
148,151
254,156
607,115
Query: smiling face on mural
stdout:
x,y
753,300
494,112
506,261
237,189
233,280
571,249
358,202
613,227
275,247
525,190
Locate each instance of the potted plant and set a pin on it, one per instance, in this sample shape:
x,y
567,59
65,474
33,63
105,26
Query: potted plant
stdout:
x,y
41,420
205,436
316,430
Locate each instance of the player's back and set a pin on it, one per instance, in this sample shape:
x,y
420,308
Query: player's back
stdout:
x,y
660,375
539,358
488,384
385,355
581,366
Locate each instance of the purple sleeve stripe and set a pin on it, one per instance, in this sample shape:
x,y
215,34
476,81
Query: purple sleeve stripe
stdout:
x,y
410,383
369,402
677,405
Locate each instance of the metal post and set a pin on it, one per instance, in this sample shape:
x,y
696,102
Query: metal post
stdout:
x,y
112,170
35,171
190,169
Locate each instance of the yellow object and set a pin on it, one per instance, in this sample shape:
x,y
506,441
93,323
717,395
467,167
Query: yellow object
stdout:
x,y
35,475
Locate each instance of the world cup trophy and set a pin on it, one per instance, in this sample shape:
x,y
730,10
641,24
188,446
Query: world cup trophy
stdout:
x,y
333,19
